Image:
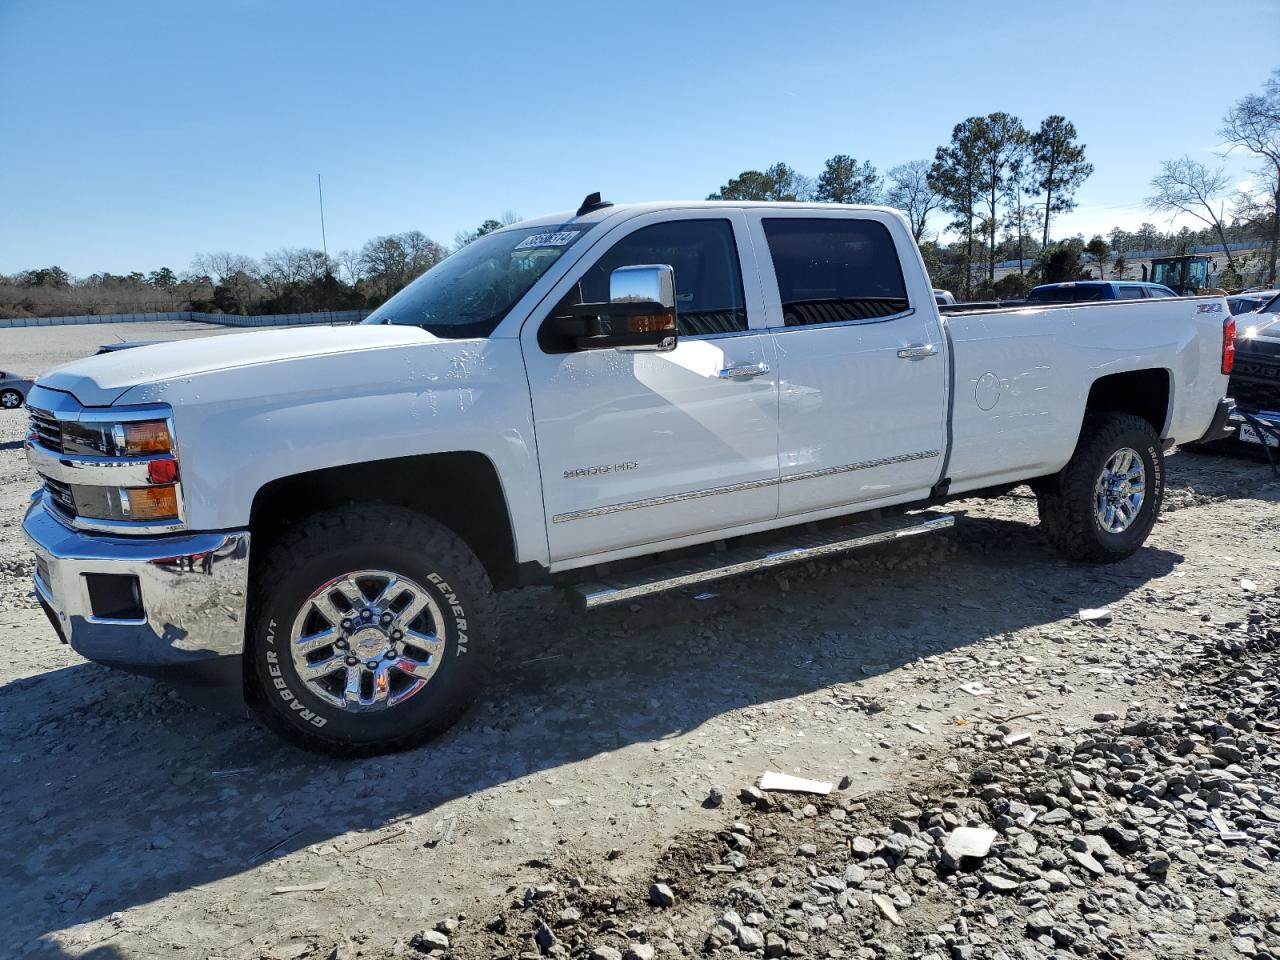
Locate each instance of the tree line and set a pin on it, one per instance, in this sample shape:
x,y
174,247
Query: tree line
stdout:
x,y
288,280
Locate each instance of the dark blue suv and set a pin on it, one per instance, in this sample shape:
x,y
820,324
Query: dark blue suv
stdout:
x,y
1084,290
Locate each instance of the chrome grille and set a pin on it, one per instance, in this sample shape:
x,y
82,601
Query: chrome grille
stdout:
x,y
61,495
47,430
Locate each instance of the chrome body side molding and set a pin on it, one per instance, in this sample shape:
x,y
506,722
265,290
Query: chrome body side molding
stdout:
x,y
737,487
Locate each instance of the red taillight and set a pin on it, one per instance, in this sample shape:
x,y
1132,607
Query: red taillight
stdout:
x,y
1228,344
162,471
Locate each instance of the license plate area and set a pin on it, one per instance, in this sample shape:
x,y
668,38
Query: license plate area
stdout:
x,y
1250,435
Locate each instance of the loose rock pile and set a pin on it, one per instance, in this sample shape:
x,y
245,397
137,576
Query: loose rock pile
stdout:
x,y
1152,832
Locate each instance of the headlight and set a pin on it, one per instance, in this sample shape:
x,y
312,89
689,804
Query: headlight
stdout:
x,y
134,439
113,470
137,439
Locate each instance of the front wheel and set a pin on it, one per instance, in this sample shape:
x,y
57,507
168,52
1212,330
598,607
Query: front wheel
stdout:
x,y
1102,505
10,399
372,630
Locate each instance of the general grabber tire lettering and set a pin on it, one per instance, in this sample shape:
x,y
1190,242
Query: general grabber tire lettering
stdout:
x,y
1102,505
371,630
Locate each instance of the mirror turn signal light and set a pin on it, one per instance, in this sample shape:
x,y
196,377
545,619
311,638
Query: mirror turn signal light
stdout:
x,y
652,323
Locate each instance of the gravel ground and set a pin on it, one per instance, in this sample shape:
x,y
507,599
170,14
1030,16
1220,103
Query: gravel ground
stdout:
x,y
1120,769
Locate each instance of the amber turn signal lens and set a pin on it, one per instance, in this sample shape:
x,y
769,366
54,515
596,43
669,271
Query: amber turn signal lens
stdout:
x,y
148,436
153,503
653,323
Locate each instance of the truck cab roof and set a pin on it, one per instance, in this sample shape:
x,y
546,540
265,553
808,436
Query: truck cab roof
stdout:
x,y
609,211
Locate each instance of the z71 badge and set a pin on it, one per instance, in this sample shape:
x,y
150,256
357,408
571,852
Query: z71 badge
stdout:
x,y
1210,308
601,470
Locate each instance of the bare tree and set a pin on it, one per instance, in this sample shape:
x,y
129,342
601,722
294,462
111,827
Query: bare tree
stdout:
x,y
1188,186
350,266
222,266
911,192
290,265
391,261
1253,124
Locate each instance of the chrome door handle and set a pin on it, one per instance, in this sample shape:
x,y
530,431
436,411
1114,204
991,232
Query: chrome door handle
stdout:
x,y
917,351
744,371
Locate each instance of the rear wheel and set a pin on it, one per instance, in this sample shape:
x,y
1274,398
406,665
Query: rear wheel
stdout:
x,y
1102,505
10,399
372,630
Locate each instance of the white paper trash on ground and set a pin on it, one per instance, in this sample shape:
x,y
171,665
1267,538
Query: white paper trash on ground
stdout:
x,y
789,784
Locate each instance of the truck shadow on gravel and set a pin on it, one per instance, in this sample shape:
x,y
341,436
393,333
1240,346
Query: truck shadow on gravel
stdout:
x,y
119,792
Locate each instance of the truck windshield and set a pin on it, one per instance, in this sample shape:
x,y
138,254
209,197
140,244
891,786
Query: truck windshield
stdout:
x,y
470,291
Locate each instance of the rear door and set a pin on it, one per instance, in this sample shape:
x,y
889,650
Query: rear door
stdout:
x,y
861,357
637,448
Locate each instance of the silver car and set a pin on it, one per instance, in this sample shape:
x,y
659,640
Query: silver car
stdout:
x,y
13,390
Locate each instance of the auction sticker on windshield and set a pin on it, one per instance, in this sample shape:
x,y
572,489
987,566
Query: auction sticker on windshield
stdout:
x,y
560,239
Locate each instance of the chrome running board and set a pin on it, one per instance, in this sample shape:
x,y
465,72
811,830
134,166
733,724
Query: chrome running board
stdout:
x,y
715,566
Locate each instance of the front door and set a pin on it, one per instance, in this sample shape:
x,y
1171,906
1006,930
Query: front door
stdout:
x,y
862,364
640,447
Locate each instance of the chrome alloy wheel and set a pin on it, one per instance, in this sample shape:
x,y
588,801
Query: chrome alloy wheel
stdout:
x,y
1120,490
367,640
11,399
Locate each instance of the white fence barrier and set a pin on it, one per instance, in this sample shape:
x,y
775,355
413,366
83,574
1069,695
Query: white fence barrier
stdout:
x,y
225,319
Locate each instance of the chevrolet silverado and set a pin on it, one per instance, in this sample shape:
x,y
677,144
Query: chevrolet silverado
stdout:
x,y
621,400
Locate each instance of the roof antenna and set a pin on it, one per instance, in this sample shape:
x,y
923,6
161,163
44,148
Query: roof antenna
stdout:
x,y
592,202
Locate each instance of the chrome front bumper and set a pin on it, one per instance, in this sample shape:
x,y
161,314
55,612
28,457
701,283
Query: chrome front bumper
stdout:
x,y
189,589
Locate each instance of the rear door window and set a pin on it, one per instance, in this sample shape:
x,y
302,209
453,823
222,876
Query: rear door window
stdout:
x,y
835,270
1131,293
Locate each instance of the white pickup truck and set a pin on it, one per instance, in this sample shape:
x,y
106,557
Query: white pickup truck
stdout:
x,y
620,400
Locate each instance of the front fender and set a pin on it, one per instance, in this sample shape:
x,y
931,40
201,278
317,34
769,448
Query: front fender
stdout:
x,y
241,428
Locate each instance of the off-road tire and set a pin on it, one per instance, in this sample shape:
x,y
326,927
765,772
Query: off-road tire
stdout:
x,y
328,545
1066,500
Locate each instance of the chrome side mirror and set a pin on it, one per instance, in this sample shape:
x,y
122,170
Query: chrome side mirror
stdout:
x,y
651,288
650,283
640,314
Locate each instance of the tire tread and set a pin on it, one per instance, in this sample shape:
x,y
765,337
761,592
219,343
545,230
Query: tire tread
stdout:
x,y
1064,521
342,525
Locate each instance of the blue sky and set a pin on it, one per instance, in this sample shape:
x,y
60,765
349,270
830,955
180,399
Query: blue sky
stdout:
x,y
141,133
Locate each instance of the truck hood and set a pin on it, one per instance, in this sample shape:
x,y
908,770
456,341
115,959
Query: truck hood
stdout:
x,y
99,381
